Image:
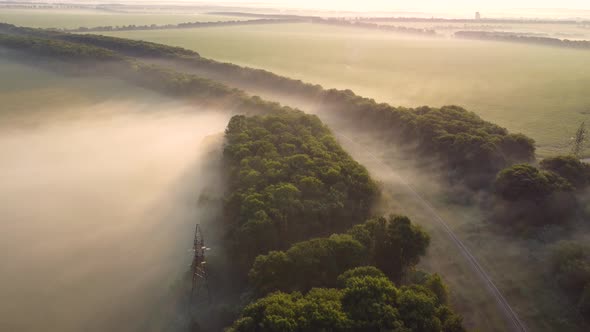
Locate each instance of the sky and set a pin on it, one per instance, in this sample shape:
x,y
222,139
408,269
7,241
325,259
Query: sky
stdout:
x,y
437,5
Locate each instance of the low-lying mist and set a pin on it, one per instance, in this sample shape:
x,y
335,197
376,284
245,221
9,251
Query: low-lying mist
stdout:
x,y
97,214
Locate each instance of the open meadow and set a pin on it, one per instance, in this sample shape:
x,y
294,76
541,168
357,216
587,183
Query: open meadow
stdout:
x,y
75,18
537,90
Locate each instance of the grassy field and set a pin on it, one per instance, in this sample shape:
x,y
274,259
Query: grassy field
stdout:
x,y
540,91
75,18
27,92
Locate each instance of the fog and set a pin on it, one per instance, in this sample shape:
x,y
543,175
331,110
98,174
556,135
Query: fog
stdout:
x,y
97,214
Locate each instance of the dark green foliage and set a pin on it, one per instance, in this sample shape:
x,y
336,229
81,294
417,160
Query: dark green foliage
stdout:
x,y
289,180
584,302
127,47
56,49
571,265
370,302
526,182
576,172
393,245
362,271
313,263
366,301
436,285
571,269
527,196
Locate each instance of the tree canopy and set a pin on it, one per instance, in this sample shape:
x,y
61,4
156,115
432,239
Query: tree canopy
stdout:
x,y
366,301
526,182
571,269
528,196
393,245
576,172
290,180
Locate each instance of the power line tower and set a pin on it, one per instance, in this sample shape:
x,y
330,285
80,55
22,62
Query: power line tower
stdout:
x,y
579,140
198,266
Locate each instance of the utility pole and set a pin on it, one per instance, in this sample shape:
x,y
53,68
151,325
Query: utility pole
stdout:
x,y
198,268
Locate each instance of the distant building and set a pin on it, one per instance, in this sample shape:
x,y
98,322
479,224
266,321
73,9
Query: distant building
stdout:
x,y
477,16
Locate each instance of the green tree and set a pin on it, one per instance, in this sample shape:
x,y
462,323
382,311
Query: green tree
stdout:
x,y
395,244
370,302
576,172
526,182
584,302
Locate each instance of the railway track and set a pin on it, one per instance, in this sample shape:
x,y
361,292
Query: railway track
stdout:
x,y
509,313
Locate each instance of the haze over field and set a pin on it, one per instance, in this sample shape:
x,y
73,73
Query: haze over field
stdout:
x,y
536,90
98,213
295,166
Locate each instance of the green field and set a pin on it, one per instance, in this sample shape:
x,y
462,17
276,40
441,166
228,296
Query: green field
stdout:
x,y
28,94
540,91
75,18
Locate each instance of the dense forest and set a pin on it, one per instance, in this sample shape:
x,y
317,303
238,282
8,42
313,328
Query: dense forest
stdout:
x,y
364,300
392,245
290,181
473,150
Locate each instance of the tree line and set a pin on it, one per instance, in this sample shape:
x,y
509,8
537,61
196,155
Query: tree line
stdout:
x,y
473,150
519,38
366,25
186,25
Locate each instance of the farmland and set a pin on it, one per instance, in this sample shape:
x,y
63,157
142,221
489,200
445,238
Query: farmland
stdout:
x,y
539,91
75,18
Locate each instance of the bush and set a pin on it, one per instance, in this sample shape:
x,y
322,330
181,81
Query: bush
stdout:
x,y
527,196
576,172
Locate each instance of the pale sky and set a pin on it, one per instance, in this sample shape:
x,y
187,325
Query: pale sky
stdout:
x,y
435,5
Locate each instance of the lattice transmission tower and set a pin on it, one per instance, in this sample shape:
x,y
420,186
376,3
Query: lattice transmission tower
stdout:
x,y
198,266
